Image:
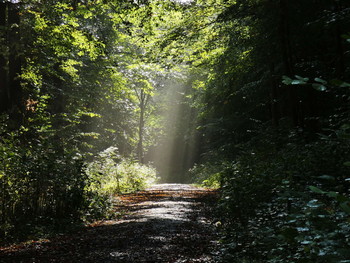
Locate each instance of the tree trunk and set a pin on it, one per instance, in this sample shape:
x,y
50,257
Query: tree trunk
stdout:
x,y
274,98
143,99
292,101
340,63
15,91
10,65
3,63
141,128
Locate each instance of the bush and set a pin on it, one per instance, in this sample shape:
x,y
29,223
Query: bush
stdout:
x,y
206,175
45,187
287,204
110,174
42,185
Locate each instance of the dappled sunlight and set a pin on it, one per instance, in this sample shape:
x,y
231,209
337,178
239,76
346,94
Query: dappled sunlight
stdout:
x,y
167,223
101,99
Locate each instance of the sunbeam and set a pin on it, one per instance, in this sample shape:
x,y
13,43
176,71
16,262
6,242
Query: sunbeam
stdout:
x,y
174,152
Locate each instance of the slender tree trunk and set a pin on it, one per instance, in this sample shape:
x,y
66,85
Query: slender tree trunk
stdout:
x,y
141,128
293,103
4,100
284,37
15,91
57,106
143,101
274,98
340,66
10,64
4,185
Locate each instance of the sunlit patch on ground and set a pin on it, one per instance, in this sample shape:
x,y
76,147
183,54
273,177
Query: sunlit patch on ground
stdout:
x,y
166,223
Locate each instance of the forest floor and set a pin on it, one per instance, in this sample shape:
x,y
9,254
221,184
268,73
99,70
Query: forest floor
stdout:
x,y
168,223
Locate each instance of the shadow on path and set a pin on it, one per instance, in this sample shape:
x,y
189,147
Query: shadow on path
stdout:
x,y
166,223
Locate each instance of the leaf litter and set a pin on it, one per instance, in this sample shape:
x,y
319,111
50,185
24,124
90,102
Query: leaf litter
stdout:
x,y
170,223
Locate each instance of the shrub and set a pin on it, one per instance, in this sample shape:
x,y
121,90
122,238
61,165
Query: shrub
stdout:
x,y
288,203
41,185
111,174
46,187
206,175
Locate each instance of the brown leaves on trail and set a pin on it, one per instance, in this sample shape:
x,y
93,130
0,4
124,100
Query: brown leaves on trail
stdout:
x,y
167,223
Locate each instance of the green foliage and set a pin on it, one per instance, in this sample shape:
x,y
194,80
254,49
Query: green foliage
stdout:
x,y
318,84
45,187
273,106
88,76
41,185
109,174
112,174
274,212
75,100
208,175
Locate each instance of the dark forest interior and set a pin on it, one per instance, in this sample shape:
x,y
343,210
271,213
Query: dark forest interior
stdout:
x,y
99,99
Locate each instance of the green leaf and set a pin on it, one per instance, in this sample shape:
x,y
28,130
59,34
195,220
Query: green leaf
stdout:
x,y
316,190
301,78
345,207
339,83
298,82
91,114
319,87
333,194
326,177
321,81
346,37
313,204
286,80
347,163
345,85
341,198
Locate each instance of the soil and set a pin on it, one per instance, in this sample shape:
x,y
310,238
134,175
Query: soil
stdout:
x,y
166,223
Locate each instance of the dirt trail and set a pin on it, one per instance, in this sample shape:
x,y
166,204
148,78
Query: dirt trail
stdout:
x,y
166,223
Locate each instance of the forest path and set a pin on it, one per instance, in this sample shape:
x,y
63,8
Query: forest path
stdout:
x,y
166,223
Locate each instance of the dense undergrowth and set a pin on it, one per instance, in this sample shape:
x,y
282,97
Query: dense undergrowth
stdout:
x,y
47,189
263,108
111,174
286,200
